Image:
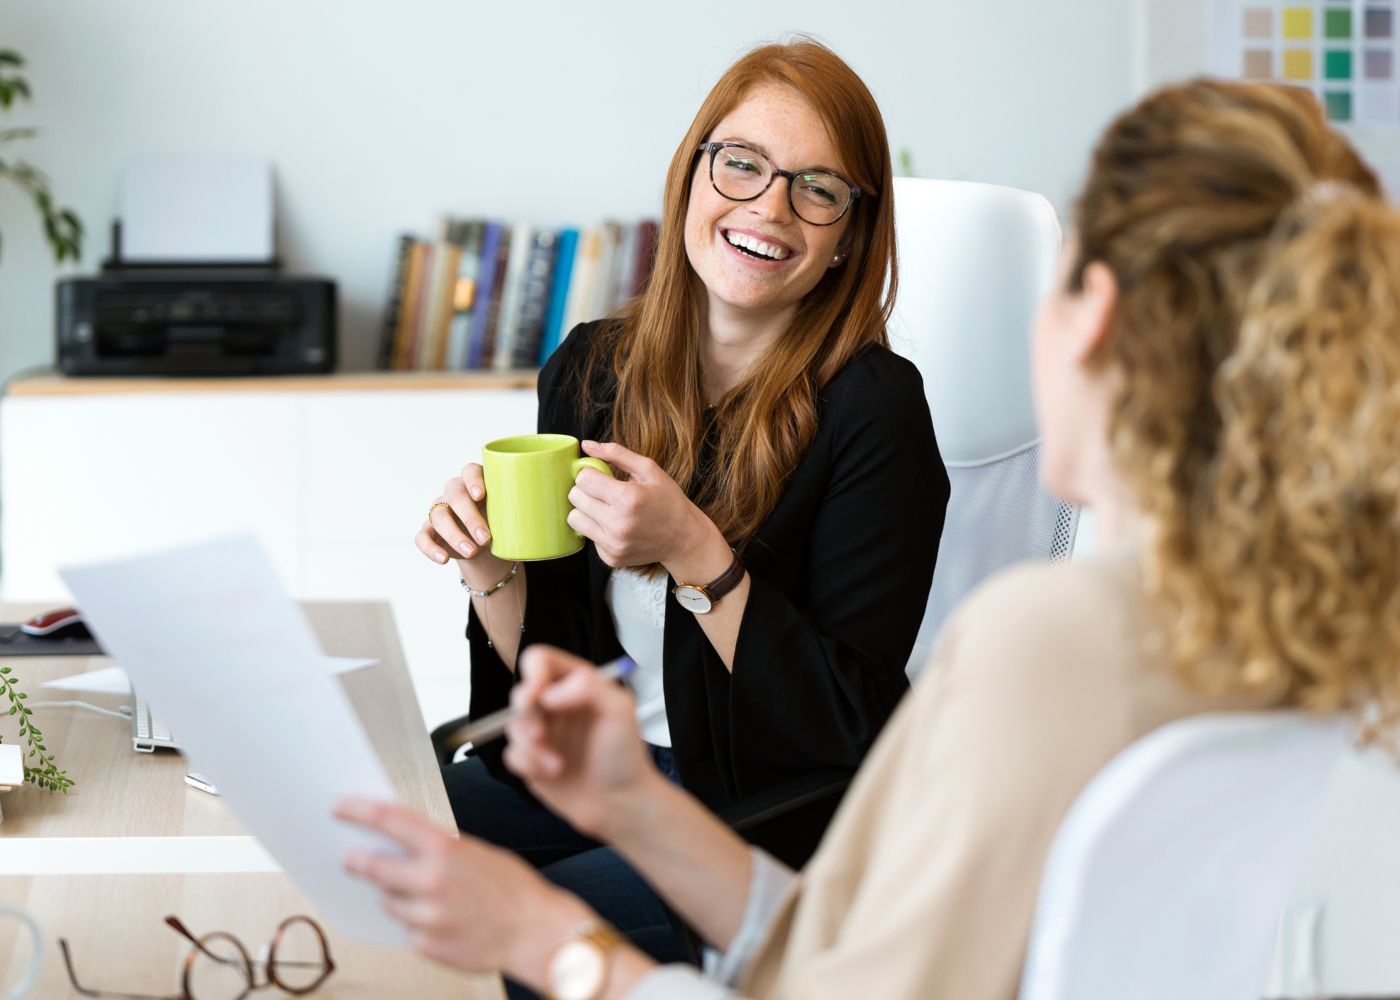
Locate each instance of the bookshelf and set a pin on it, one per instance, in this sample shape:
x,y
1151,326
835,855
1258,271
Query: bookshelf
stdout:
x,y
492,296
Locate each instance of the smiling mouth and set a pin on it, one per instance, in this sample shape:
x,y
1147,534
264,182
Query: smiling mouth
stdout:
x,y
752,246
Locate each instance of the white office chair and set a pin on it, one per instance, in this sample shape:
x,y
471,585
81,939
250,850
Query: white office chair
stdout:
x,y
1170,873
974,262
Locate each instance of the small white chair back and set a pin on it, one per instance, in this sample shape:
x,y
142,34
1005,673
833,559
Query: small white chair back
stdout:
x,y
1170,873
974,262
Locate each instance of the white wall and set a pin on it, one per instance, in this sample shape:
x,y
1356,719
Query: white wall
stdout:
x,y
379,116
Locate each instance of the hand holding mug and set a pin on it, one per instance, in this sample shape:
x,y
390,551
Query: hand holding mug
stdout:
x,y
647,519
456,526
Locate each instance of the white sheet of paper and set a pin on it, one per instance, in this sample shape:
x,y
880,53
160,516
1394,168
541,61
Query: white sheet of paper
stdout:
x,y
103,680
193,208
259,711
114,680
11,764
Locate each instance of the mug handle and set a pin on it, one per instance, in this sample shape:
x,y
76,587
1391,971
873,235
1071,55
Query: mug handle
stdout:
x,y
592,463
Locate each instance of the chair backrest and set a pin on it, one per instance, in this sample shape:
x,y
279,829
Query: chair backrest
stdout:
x,y
1170,873
974,262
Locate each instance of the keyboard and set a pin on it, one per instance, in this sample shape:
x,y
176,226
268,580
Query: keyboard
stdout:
x,y
147,732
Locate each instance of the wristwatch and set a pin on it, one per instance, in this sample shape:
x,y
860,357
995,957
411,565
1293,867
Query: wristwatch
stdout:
x,y
701,598
580,966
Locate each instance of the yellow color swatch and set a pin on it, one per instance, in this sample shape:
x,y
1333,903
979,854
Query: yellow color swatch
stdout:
x,y
1297,22
1297,64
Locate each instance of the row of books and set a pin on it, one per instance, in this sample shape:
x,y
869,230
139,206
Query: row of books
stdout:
x,y
488,296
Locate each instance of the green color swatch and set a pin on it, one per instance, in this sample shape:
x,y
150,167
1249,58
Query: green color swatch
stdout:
x,y
1336,24
1337,65
1338,105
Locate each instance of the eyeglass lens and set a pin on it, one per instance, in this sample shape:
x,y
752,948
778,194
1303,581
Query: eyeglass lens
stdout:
x,y
219,969
299,959
743,174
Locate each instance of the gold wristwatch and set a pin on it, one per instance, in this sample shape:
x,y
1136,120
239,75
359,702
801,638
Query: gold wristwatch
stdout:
x,y
701,598
580,967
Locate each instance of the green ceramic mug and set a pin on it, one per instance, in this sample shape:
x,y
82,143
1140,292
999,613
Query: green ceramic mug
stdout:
x,y
528,478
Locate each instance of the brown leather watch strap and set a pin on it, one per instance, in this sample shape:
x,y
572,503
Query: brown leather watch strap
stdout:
x,y
726,581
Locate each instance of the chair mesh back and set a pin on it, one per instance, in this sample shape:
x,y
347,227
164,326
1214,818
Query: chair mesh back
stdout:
x,y
998,514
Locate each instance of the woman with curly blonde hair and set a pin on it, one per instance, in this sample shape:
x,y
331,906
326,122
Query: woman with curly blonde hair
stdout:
x,y
1219,377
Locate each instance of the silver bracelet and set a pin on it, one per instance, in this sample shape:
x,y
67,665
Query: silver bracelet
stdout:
x,y
515,568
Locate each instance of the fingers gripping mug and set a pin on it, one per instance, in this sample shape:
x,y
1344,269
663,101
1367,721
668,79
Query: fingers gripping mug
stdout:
x,y
528,478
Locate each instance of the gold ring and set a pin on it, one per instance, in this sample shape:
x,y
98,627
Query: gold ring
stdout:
x,y
440,503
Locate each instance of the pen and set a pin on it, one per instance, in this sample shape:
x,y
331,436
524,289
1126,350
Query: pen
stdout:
x,y
493,726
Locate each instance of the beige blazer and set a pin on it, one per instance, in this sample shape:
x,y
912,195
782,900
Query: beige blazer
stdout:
x,y
926,882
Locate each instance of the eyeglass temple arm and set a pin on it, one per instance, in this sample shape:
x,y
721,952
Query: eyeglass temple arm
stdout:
x,y
85,991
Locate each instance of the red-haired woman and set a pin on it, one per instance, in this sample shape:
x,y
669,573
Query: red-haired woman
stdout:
x,y
773,450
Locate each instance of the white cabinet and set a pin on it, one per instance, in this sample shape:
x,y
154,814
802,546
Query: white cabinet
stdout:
x,y
334,475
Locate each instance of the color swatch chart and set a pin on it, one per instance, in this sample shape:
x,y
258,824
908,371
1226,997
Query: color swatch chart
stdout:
x,y
1345,51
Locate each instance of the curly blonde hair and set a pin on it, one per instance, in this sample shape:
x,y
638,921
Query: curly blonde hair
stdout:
x,y
1258,419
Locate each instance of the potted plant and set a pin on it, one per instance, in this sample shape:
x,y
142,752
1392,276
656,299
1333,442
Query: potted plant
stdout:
x,y
64,234
62,228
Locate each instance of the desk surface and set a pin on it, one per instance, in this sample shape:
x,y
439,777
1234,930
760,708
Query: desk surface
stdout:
x,y
114,921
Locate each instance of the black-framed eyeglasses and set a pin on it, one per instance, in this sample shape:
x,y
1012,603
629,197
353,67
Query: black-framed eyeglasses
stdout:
x,y
218,967
819,197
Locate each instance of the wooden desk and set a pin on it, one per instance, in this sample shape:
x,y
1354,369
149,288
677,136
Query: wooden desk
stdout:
x,y
114,921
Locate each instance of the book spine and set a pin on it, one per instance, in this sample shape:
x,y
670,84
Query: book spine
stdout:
x,y
422,318
408,315
581,283
648,233
625,267
493,309
534,299
485,287
464,294
558,293
512,295
433,327
602,303
394,305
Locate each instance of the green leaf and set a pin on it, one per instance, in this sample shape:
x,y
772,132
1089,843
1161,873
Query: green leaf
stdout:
x,y
9,57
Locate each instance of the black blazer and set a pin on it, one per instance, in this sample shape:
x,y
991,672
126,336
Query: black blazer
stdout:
x,y
840,574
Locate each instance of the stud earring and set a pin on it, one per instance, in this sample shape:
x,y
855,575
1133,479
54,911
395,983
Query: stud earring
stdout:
x,y
837,258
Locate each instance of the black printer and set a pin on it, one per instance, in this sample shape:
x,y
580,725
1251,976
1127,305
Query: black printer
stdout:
x,y
195,320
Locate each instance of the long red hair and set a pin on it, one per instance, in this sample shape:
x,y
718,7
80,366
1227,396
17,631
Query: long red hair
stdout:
x,y
763,426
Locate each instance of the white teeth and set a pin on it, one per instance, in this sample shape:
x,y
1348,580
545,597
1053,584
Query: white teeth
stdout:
x,y
756,245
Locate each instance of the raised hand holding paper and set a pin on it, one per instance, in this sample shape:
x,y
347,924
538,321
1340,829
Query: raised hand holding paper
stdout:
x,y
229,662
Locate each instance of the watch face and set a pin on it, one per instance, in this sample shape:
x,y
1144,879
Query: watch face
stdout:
x,y
693,599
577,971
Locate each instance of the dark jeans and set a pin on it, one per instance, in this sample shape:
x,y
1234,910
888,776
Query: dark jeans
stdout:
x,y
501,815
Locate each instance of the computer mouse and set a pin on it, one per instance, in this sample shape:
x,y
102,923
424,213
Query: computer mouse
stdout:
x,y
61,623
